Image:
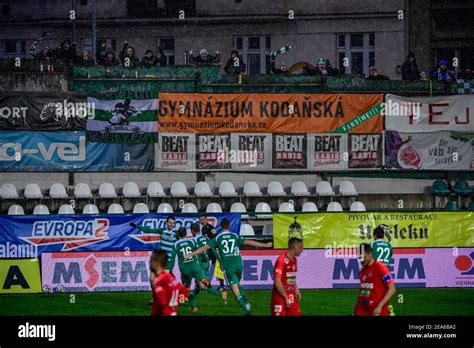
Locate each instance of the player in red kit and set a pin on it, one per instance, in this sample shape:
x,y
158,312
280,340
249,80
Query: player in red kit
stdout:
x,y
166,289
376,285
285,293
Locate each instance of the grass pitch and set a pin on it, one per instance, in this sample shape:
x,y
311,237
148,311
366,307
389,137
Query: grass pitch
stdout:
x,y
314,302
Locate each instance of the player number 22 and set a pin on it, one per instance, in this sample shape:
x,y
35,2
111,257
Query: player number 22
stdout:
x,y
381,255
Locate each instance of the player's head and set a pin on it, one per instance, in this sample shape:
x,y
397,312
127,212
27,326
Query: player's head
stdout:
x,y
225,225
295,245
158,261
379,231
203,220
365,252
170,222
182,232
195,229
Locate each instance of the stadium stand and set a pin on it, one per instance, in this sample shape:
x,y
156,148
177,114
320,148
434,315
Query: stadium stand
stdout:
x,y
275,188
155,189
58,191
115,208
41,209
346,188
140,208
178,189
324,189
452,206
251,189
82,190
263,207
165,208
286,207
440,188
202,189
213,208
107,190
470,207
33,191
357,206
334,206
227,189
189,208
16,210
238,207
130,190
461,188
8,191
298,188
247,230
309,207
90,209
66,209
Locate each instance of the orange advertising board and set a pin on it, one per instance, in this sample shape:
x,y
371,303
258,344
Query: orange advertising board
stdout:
x,y
270,113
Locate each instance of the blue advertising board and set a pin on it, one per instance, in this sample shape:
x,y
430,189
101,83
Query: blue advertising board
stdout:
x,y
29,236
69,151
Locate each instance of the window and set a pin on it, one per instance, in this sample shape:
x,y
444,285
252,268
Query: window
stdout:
x,y
359,49
5,10
167,45
255,51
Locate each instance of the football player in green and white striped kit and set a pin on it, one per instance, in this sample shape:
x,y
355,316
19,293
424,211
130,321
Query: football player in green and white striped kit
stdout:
x,y
168,238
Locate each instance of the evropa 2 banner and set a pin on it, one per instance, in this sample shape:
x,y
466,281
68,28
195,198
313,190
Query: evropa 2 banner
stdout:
x,y
22,235
269,113
69,151
408,230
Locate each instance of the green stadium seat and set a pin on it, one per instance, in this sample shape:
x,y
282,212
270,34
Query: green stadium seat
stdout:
x,y
462,188
440,188
452,206
470,207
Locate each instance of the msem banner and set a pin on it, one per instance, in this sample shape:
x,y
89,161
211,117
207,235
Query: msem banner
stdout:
x,y
429,114
69,151
317,269
431,151
54,233
408,230
270,113
51,111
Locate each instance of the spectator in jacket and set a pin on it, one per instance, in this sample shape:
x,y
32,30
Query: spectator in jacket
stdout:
x,y
375,76
234,65
127,56
466,74
441,72
86,59
204,58
106,56
282,70
323,68
410,70
66,53
150,60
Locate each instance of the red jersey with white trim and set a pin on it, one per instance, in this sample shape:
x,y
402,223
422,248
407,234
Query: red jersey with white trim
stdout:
x,y
286,269
166,291
374,280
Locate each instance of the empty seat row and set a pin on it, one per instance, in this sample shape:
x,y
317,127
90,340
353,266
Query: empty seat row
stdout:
x,y
461,188
262,209
178,189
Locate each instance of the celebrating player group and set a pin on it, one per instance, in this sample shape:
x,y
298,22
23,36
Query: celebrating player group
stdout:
x,y
205,245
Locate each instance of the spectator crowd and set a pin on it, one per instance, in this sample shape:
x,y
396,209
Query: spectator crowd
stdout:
x,y
65,55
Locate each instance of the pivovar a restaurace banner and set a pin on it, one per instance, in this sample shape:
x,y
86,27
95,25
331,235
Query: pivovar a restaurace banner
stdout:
x,y
407,230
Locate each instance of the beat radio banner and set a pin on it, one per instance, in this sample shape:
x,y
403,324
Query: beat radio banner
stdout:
x,y
270,113
344,230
